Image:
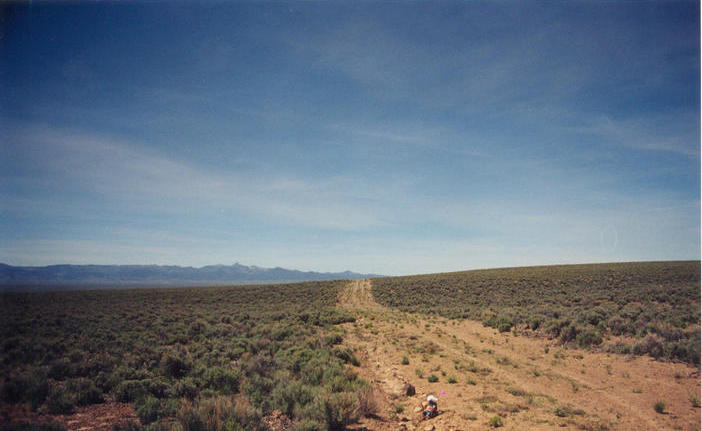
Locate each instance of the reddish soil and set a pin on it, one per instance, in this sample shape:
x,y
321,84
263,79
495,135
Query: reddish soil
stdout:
x,y
95,417
528,383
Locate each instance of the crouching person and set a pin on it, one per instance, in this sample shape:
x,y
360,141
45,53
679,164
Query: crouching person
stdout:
x,y
432,408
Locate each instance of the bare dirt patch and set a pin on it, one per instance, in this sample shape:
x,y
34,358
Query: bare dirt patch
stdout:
x,y
528,383
101,417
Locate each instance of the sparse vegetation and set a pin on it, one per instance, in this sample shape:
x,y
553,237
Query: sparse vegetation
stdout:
x,y
495,421
657,303
659,407
565,411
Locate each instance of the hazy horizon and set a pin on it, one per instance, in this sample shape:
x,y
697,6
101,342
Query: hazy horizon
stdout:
x,y
385,138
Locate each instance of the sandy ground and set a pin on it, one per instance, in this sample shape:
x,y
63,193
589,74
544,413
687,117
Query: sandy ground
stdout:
x,y
528,383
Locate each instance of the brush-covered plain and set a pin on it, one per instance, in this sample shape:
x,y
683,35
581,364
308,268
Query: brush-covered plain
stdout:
x,y
195,358
651,307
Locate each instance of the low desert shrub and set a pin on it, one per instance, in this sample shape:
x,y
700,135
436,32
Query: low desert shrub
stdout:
x,y
61,370
568,333
347,355
87,393
651,344
60,403
148,410
175,365
367,403
225,381
129,390
23,388
291,397
502,323
339,410
588,337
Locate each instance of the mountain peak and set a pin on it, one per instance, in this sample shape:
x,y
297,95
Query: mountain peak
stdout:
x,y
171,275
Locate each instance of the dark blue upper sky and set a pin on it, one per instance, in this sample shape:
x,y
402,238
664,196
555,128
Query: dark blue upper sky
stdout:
x,y
395,137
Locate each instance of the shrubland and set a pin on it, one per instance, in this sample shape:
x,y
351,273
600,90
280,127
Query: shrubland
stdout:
x,y
194,358
653,306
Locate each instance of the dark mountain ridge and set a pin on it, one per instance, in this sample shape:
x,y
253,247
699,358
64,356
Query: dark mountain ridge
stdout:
x,y
169,275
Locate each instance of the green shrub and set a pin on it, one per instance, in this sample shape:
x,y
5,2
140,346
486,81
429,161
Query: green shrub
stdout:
x,y
310,425
452,380
687,349
295,357
291,396
659,407
501,323
216,413
129,390
405,360
332,339
61,370
313,371
33,389
339,410
516,392
175,366
495,421
563,411
87,393
588,337
367,403
148,410
620,348
59,403
158,387
258,389
222,380
650,344
347,355
184,388
433,378
106,381
14,390
568,333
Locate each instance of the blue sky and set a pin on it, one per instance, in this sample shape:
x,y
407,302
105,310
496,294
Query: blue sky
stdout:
x,y
394,138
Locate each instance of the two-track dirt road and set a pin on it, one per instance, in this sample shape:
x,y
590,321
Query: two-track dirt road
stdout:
x,y
528,383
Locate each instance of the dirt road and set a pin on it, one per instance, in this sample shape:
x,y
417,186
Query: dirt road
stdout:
x,y
522,383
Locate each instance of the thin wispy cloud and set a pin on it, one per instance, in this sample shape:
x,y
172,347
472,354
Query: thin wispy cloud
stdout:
x,y
379,137
142,180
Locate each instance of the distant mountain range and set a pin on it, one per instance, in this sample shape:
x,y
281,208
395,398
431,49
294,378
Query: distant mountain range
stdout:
x,y
98,276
